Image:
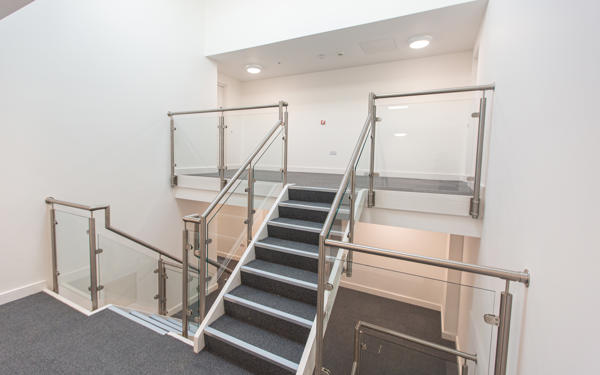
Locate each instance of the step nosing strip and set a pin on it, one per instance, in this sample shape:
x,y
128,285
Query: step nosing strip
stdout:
x,y
137,320
162,320
279,277
314,188
252,349
269,310
151,321
286,249
304,206
294,226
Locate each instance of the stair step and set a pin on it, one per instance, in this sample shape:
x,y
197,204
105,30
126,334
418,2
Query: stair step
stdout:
x,y
284,323
290,253
295,230
254,348
311,211
277,302
143,322
311,194
276,278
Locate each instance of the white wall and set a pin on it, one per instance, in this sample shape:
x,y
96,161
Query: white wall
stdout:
x,y
542,191
268,21
85,88
340,97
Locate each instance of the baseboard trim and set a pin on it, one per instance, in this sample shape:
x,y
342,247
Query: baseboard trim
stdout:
x,y
73,305
22,292
389,295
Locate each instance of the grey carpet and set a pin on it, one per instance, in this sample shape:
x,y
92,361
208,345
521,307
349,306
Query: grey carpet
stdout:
x,y
40,335
333,181
351,306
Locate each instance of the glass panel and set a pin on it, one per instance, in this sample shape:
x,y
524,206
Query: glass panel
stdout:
x,y
363,164
245,129
427,143
73,257
227,233
411,299
127,275
196,144
268,178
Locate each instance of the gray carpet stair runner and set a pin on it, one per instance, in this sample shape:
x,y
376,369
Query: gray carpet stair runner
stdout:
x,y
269,316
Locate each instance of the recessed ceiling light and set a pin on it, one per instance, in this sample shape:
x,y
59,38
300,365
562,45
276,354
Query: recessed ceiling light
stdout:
x,y
340,53
420,41
400,134
253,68
398,107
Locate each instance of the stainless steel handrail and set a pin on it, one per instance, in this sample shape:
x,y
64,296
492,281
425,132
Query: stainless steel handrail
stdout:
x,y
438,91
522,277
230,109
361,324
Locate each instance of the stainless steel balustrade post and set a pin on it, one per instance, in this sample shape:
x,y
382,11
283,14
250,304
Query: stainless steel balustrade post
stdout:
x,y
320,308
184,283
93,264
221,166
250,214
503,331
54,255
203,248
172,127
373,112
285,147
475,201
350,257
161,274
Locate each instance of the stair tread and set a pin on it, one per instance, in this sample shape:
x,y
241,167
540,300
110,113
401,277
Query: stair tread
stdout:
x,y
302,246
263,339
298,222
280,269
275,301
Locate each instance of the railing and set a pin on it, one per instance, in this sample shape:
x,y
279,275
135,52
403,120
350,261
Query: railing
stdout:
x,y
347,192
197,161
361,327
106,261
420,114
243,199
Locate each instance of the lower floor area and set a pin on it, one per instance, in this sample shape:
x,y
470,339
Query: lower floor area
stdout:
x,y
41,335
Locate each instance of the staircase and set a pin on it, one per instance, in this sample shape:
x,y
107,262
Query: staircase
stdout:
x,y
264,315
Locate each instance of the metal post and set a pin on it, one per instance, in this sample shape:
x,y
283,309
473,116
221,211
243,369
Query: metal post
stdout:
x,y
373,112
503,331
221,165
162,287
352,197
54,256
285,147
475,201
203,249
184,284
93,266
320,308
173,176
250,191
356,363
464,368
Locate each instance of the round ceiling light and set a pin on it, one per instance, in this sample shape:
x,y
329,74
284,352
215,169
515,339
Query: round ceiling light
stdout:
x,y
253,68
418,42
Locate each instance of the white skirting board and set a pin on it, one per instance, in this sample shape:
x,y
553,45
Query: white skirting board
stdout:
x,y
22,292
75,306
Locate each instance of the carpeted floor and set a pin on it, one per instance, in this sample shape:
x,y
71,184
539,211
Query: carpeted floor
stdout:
x,y
40,335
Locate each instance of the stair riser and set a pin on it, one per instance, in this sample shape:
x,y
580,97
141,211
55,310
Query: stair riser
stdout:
x,y
293,234
303,214
268,322
311,196
277,287
292,260
242,358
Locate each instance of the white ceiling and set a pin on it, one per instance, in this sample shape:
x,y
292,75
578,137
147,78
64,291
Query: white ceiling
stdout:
x,y
453,29
10,6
